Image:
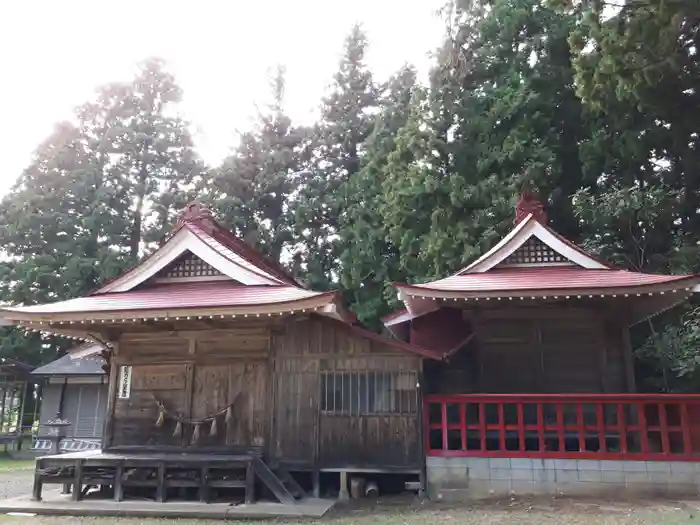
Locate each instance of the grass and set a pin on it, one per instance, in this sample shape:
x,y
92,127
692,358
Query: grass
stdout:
x,y
521,512
8,464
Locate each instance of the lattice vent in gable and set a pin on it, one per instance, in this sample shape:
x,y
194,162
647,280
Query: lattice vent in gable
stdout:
x,y
533,252
187,267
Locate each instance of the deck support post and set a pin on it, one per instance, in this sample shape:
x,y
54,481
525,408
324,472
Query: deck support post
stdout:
x,y
249,483
343,495
77,480
36,489
118,485
160,490
316,483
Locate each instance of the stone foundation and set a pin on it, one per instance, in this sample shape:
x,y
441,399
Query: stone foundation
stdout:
x,y
473,478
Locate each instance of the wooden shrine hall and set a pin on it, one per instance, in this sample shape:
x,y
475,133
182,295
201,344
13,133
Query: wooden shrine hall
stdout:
x,y
536,390
226,376
514,375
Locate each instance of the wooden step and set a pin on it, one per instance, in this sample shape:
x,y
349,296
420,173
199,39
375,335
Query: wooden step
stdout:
x,y
272,482
288,480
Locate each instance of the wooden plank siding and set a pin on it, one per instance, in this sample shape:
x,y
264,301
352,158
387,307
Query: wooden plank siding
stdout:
x,y
540,350
273,377
304,354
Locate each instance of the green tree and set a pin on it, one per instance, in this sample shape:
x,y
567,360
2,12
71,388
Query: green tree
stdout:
x,y
95,192
369,261
253,186
347,119
637,72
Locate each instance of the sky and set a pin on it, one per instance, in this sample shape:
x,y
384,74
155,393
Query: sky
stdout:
x,y
53,54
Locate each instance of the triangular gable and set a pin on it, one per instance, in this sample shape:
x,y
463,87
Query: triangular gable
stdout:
x,y
188,268
530,238
534,252
188,243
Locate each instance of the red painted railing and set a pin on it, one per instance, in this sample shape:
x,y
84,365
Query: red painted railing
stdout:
x,y
576,426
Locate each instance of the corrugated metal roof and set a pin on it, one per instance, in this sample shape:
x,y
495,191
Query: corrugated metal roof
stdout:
x,y
84,361
179,295
546,278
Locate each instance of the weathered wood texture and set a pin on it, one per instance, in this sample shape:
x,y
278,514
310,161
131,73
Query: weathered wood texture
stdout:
x,y
242,385
135,418
540,350
329,409
195,374
311,392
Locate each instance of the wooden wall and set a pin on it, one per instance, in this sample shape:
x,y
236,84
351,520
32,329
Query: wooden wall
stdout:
x,y
541,350
195,374
288,385
313,425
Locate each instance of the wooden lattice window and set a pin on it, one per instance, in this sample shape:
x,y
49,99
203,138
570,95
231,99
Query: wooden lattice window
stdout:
x,y
190,266
355,393
534,252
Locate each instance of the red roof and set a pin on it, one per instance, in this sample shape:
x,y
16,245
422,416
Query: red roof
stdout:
x,y
180,295
547,278
253,258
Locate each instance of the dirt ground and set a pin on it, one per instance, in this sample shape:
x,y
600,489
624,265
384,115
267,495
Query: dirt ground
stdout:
x,y
410,511
16,479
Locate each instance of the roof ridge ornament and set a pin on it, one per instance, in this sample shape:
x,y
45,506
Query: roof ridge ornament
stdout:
x,y
527,204
195,211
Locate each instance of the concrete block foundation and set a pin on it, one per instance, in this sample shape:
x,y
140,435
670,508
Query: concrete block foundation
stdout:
x,y
459,479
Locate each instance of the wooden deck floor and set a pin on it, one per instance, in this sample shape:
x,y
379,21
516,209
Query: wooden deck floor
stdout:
x,y
55,503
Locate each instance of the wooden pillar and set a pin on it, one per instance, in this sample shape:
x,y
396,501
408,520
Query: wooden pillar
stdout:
x,y
423,432
629,359
108,429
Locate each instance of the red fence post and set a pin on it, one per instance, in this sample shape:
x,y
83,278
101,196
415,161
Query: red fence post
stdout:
x,y
521,428
663,426
581,431
685,427
622,428
540,428
560,427
443,424
463,424
642,424
501,428
482,425
600,420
